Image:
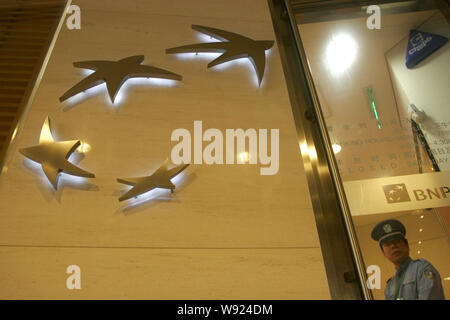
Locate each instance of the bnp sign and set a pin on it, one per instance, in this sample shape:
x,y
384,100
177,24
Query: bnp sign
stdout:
x,y
396,193
401,193
434,193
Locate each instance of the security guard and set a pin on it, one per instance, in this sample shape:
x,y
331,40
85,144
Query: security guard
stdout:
x,y
414,279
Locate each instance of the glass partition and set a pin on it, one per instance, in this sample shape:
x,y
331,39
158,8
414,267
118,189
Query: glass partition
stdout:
x,y
384,96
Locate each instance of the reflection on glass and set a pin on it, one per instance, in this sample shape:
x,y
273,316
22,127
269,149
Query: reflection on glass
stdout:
x,y
340,53
389,126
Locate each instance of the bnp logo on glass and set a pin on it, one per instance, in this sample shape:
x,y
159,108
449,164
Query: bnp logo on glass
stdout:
x,y
396,193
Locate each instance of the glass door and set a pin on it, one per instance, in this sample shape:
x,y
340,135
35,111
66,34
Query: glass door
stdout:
x,y
381,75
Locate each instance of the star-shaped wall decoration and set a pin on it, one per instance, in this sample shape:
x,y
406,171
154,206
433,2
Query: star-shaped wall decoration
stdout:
x,y
115,73
233,46
159,179
53,155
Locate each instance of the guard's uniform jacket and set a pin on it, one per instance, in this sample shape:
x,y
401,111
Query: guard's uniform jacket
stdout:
x,y
419,281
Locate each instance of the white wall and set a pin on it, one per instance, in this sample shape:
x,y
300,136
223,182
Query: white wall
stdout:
x,y
426,86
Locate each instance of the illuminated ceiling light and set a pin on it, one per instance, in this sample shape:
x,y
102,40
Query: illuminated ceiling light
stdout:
x,y
421,217
336,148
420,230
420,242
418,252
244,157
340,53
447,278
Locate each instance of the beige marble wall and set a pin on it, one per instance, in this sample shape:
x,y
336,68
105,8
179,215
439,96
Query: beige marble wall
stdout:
x,y
226,232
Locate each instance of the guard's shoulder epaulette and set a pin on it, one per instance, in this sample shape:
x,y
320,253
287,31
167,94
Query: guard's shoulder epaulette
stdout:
x,y
421,261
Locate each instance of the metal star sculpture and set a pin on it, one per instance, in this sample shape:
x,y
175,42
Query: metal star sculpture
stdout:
x,y
234,46
159,179
53,155
115,73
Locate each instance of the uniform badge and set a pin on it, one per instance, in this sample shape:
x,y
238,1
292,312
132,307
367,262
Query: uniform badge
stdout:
x,y
429,274
387,228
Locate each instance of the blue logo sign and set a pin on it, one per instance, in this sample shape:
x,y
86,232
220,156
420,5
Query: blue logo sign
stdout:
x,y
421,45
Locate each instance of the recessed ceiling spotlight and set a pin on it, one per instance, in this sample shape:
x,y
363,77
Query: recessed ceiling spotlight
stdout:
x,y
340,53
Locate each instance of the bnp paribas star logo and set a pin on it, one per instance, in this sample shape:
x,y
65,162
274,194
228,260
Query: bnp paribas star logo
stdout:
x,y
232,46
396,193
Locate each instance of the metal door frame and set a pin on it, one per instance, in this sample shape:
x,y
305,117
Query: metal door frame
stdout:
x,y
342,255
